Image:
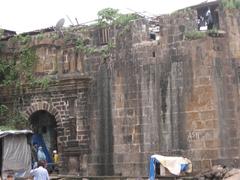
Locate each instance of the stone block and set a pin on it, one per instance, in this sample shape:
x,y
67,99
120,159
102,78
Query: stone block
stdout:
x,y
62,138
193,116
72,143
196,145
228,162
127,139
206,164
212,143
210,154
211,124
200,125
137,138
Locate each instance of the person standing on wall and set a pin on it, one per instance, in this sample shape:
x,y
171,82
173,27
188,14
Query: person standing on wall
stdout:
x,y
209,19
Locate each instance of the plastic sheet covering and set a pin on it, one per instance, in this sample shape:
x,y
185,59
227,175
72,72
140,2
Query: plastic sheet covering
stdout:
x,y
175,165
15,132
16,156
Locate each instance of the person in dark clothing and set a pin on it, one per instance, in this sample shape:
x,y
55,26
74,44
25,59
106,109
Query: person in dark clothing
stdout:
x,y
34,150
209,19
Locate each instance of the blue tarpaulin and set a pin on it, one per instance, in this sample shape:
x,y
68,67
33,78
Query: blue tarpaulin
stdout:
x,y
38,139
152,169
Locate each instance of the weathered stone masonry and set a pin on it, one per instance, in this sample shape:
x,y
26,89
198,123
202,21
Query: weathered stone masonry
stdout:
x,y
171,96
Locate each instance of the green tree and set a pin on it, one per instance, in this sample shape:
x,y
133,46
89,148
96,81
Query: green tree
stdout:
x,y
109,16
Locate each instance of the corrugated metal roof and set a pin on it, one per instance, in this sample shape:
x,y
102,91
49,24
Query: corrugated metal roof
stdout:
x,y
206,3
49,29
14,132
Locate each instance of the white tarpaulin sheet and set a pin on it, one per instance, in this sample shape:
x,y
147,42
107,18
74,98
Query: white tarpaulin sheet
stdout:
x,y
14,132
16,155
173,164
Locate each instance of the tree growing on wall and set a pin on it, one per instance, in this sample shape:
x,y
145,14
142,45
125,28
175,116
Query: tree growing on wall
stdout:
x,y
17,70
110,16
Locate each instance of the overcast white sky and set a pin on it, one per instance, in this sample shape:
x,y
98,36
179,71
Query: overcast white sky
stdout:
x,y
28,15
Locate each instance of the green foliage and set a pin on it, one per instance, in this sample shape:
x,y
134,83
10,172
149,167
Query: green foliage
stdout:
x,y
8,74
6,128
192,35
2,45
214,30
14,71
3,109
110,16
124,19
40,82
17,69
18,121
215,33
22,39
14,120
40,36
27,59
54,36
107,16
230,4
107,50
80,45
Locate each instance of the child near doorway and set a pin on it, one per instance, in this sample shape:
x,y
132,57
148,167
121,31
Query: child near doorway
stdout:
x,y
55,160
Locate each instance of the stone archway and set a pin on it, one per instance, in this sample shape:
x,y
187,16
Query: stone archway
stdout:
x,y
44,118
43,105
44,127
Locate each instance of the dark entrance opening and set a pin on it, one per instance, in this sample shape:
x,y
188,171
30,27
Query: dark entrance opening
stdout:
x,y
208,15
44,126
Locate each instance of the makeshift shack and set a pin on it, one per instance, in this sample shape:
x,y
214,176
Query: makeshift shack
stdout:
x,y
15,153
168,165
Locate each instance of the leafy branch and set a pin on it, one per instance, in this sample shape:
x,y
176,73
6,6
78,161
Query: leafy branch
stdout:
x,y
192,35
110,16
17,70
12,120
230,4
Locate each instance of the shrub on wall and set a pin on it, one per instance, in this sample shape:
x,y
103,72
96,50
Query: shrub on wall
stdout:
x,y
230,4
192,35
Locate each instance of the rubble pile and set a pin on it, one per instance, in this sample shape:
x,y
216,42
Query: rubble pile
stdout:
x,y
220,172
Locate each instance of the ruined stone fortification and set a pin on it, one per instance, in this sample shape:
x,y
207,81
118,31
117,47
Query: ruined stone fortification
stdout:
x,y
171,96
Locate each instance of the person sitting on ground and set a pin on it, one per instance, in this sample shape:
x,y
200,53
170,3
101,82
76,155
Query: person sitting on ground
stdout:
x,y
40,173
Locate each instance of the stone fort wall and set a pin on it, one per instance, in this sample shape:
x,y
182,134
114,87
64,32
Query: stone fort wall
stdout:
x,y
171,96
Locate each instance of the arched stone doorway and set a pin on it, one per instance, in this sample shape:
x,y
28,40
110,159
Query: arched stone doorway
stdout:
x,y
44,125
